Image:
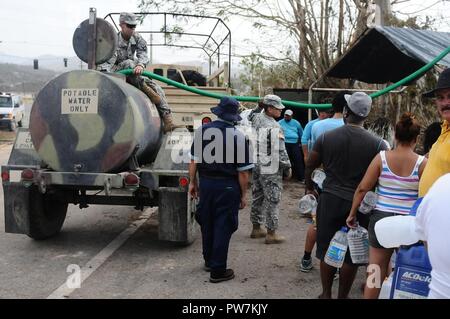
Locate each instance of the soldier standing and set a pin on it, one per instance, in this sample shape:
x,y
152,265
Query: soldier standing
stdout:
x,y
221,156
271,165
129,44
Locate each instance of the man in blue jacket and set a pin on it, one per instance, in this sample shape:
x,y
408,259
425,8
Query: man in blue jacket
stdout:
x,y
220,154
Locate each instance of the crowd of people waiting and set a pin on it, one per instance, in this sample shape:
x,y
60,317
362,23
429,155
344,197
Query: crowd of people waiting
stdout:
x,y
354,160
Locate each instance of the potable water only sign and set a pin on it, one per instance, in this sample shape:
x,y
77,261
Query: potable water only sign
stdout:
x,y
79,101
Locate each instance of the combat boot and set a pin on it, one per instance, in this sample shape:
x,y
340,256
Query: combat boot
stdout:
x,y
273,238
168,123
258,232
153,96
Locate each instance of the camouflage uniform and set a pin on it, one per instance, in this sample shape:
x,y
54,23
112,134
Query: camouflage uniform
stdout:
x,y
268,172
124,58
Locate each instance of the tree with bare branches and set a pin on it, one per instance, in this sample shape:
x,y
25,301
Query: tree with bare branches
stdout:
x,y
311,33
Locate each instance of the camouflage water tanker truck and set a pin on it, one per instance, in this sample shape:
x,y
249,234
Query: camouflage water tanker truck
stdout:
x,y
95,139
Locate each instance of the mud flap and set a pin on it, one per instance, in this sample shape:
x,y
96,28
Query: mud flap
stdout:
x,y
16,200
176,215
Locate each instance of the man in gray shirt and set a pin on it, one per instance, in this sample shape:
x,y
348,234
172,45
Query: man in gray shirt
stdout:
x,y
345,153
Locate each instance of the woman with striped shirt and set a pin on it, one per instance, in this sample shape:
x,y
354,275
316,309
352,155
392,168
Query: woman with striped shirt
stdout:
x,y
396,176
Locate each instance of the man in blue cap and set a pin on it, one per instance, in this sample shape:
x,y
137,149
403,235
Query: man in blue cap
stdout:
x,y
221,155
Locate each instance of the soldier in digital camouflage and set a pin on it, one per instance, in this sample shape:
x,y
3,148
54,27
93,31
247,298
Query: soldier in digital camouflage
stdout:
x,y
131,43
271,165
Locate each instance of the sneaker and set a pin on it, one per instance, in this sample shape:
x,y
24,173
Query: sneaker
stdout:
x,y
221,276
306,265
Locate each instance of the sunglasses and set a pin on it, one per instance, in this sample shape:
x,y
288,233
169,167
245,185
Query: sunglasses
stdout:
x,y
131,26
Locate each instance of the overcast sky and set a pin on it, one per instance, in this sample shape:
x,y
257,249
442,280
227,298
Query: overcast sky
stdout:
x,y
30,28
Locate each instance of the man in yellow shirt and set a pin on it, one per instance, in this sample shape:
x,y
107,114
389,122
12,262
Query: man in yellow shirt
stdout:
x,y
439,159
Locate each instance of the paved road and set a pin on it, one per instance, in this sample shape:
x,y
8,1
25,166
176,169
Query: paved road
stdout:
x,y
123,262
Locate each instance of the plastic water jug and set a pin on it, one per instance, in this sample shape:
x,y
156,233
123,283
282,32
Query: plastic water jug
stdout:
x,y
412,274
358,244
416,205
337,249
318,176
395,231
386,287
368,203
307,204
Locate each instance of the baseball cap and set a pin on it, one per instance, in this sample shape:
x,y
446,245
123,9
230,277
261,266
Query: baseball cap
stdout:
x,y
128,18
273,100
288,112
359,103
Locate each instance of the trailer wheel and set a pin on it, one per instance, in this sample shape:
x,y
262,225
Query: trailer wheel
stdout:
x,y
12,125
46,215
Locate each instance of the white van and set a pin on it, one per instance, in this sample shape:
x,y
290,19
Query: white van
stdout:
x,y
11,110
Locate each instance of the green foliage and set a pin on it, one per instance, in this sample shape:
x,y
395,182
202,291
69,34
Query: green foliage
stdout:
x,y
172,33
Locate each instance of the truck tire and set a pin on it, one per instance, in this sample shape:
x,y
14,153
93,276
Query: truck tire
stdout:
x,y
46,215
193,78
12,125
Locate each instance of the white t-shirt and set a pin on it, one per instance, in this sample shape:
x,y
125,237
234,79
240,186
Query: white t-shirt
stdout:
x,y
433,226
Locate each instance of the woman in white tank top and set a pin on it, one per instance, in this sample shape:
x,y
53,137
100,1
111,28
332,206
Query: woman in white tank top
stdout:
x,y
395,174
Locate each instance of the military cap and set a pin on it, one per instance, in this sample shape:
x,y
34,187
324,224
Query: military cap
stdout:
x,y
128,18
273,100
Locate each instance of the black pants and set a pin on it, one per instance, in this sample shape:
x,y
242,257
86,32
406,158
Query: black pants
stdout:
x,y
295,154
217,214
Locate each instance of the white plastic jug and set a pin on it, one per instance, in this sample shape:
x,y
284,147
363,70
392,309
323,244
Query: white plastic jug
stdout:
x,y
368,203
307,204
385,291
337,249
395,231
358,244
318,176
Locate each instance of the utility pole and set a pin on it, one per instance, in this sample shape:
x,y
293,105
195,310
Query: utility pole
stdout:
x,y
383,12
151,48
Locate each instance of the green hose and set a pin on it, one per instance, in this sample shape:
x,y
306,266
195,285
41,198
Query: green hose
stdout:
x,y
412,76
285,102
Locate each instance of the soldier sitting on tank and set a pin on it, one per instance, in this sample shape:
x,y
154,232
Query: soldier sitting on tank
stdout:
x,y
129,43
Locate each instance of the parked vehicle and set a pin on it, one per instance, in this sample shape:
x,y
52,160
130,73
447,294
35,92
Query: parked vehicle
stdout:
x,y
11,110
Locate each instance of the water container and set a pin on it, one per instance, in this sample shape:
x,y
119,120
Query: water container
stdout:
x,y
368,203
318,176
412,274
395,231
338,248
358,244
307,204
416,205
386,287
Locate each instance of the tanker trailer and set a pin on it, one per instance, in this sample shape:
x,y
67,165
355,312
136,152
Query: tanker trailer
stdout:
x,y
95,139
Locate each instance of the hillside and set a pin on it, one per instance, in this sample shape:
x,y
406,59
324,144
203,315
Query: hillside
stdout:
x,y
23,79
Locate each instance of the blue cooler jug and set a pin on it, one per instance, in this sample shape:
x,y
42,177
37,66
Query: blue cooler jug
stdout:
x,y
412,274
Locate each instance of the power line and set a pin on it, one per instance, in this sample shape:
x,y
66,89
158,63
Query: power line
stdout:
x,y
420,10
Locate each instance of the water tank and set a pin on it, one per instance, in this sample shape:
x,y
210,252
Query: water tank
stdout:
x,y
89,121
